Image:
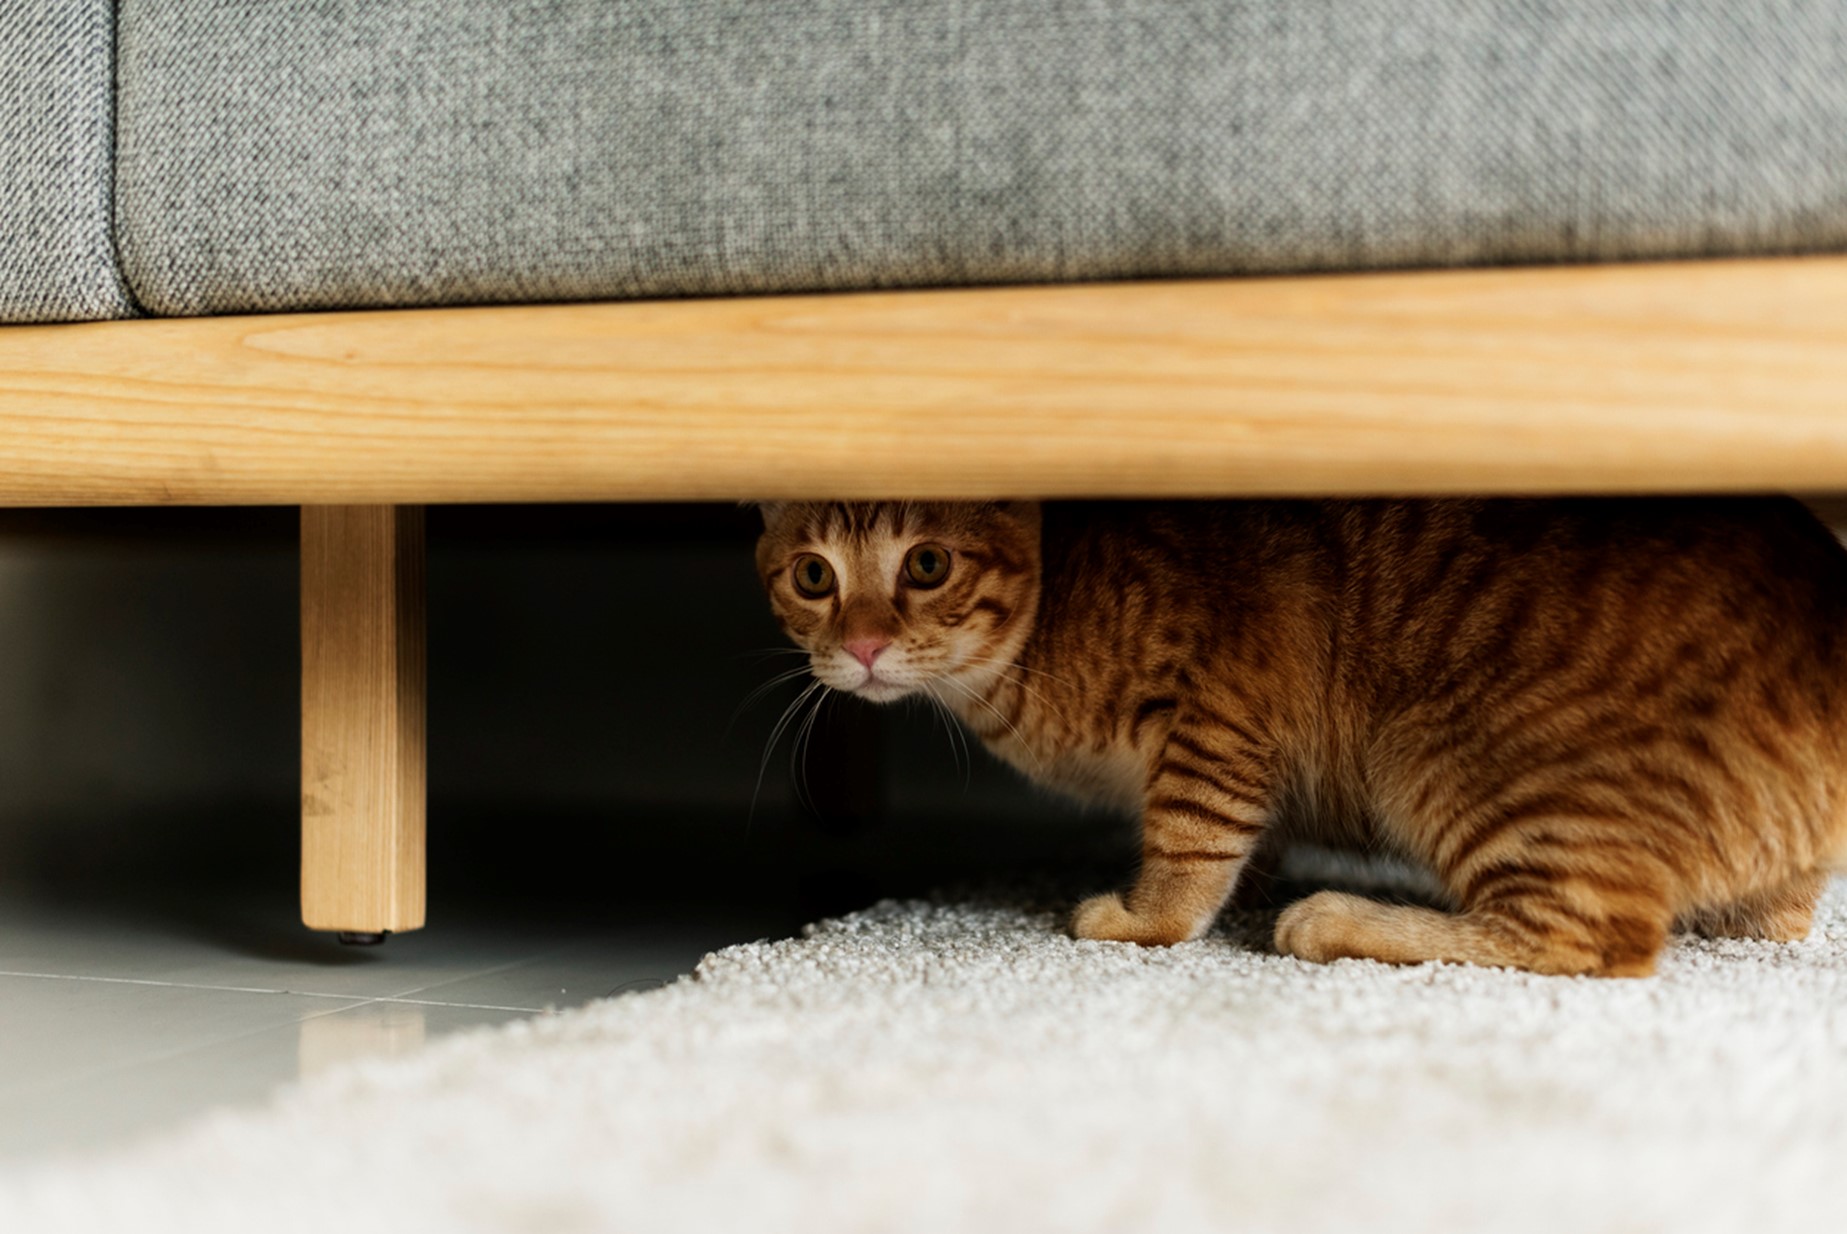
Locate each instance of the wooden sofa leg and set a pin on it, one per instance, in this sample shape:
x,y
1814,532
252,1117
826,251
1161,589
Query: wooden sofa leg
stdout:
x,y
362,721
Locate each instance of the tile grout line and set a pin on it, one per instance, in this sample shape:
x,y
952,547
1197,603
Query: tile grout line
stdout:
x,y
357,1000
179,985
431,1002
486,972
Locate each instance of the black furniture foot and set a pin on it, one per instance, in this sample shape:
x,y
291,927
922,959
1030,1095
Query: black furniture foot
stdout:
x,y
360,938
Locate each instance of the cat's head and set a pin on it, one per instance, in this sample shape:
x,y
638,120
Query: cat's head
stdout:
x,y
897,598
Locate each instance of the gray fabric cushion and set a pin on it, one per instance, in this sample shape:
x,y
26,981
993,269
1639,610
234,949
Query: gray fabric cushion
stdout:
x,y
57,98
279,155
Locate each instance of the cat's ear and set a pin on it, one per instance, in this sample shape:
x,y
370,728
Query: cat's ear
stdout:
x,y
1026,512
771,510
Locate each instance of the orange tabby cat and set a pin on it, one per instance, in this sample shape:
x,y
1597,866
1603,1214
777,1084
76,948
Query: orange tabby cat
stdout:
x,y
1593,720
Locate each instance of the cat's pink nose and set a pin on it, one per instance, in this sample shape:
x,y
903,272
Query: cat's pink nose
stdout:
x,y
866,650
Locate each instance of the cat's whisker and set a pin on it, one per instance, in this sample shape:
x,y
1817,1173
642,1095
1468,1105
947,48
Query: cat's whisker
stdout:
x,y
936,719
760,691
772,683
1008,724
798,752
1035,694
968,758
1042,700
1039,697
1004,662
769,750
958,741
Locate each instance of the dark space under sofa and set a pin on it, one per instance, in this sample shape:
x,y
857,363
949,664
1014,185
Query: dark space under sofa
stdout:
x,y
363,258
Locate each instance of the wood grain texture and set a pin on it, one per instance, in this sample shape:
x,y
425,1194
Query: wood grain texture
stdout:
x,y
362,718
1710,375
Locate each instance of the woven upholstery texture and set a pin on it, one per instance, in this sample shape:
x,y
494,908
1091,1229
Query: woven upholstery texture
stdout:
x,y
281,154
57,102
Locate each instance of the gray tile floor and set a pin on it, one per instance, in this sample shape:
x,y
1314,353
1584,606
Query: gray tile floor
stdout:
x,y
154,968
117,1020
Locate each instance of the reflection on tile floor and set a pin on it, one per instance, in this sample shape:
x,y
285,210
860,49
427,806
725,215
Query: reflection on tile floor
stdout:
x,y
116,1021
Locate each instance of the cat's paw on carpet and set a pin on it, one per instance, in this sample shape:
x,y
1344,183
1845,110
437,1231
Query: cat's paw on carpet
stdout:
x,y
1106,918
1325,926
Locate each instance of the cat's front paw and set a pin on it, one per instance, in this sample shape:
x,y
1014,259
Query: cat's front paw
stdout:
x,y
1108,919
1102,917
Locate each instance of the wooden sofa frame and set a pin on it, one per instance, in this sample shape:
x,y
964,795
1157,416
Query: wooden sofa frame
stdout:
x,y
1720,376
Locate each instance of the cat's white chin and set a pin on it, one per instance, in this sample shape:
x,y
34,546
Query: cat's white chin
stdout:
x,y
869,686
881,691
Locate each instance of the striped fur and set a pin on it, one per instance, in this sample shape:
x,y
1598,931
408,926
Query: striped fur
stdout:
x,y
1594,720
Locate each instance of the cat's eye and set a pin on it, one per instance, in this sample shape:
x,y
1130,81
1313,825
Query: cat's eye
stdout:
x,y
813,576
927,565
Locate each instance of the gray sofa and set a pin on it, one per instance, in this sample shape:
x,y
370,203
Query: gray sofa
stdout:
x,y
181,157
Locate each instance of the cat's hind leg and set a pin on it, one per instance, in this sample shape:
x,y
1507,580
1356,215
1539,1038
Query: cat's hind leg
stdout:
x,y
1206,808
1542,917
1780,915
1333,925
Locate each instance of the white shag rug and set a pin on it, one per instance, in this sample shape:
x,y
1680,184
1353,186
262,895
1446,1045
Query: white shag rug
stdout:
x,y
951,1067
